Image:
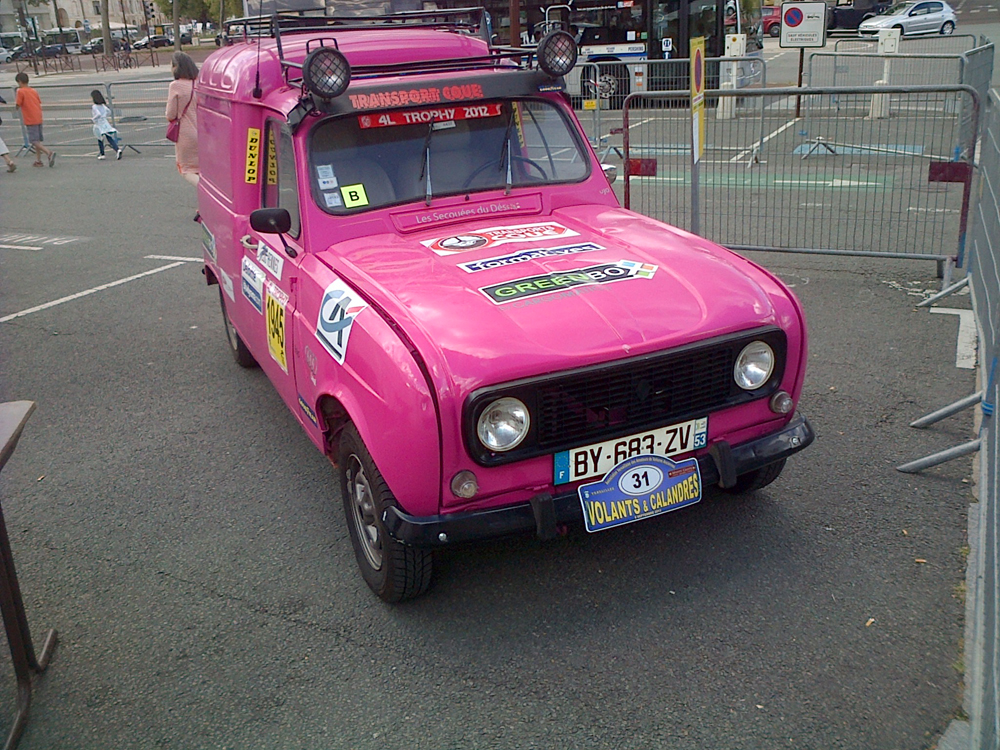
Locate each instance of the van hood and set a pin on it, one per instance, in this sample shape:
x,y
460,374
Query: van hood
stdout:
x,y
491,301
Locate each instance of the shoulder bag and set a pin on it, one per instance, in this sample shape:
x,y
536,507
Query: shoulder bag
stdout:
x,y
174,126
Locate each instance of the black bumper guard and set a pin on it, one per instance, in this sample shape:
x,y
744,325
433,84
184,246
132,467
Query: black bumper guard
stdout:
x,y
545,513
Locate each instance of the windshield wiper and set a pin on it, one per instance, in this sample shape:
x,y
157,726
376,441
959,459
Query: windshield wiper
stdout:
x,y
505,151
426,168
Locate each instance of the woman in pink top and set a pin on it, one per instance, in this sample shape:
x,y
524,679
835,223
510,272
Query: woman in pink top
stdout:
x,y
181,105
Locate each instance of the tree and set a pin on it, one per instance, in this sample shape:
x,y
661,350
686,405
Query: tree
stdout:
x,y
196,10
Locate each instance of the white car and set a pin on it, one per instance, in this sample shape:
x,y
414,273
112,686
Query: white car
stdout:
x,y
927,17
5,55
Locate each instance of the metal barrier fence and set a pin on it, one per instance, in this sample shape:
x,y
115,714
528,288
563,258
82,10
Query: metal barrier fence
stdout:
x,y
137,112
844,179
983,652
949,44
596,87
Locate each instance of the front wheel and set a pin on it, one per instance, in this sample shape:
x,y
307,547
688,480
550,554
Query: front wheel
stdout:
x,y
392,570
902,31
754,480
947,28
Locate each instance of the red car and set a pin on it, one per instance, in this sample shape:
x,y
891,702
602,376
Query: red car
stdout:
x,y
771,20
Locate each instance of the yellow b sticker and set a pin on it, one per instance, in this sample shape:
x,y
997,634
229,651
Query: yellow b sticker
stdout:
x,y
253,155
274,312
354,195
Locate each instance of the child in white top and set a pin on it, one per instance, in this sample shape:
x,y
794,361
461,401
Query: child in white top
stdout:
x,y
99,113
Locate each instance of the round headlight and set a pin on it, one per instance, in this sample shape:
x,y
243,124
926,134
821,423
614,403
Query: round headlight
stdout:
x,y
556,53
503,424
326,72
754,366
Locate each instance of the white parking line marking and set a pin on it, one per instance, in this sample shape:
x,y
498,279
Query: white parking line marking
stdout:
x,y
766,138
965,350
19,247
78,295
175,257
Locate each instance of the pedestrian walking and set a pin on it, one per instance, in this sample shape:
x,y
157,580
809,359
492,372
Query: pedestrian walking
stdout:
x,y
103,129
30,105
181,107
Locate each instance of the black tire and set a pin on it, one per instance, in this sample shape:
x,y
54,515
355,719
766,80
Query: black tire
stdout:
x,y
394,571
775,30
239,350
902,31
755,480
947,28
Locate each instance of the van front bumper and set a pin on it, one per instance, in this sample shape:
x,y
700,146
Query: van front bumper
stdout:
x,y
544,514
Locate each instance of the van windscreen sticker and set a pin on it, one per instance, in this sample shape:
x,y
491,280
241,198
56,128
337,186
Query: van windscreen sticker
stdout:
x,y
436,114
337,311
332,200
547,283
253,155
354,196
326,178
483,238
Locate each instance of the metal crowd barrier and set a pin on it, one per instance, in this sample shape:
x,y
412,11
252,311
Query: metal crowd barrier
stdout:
x,y
837,180
137,111
950,44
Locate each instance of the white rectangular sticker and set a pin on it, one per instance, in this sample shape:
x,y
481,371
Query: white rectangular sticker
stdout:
x,y
270,260
252,284
227,284
494,236
333,200
337,312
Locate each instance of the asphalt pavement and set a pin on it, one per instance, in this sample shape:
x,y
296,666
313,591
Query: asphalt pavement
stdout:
x,y
171,520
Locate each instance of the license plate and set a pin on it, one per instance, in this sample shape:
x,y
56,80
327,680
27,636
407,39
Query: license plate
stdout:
x,y
598,459
638,488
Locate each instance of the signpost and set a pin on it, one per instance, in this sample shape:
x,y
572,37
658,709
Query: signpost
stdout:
x,y
697,76
803,25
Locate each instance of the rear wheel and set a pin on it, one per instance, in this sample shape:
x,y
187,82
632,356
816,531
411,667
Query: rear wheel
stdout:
x,y
239,350
775,30
947,28
754,480
392,570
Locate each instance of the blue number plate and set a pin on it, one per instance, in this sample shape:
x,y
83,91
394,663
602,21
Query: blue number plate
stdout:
x,y
637,488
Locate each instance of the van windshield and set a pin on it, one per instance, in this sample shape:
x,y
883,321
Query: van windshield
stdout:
x,y
369,160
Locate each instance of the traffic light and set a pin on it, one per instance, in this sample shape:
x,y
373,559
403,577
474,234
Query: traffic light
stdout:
x,y
147,6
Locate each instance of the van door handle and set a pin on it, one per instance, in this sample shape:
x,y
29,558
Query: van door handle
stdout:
x,y
248,242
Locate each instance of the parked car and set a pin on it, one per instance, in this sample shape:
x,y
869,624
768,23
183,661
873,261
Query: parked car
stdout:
x,y
429,263
771,20
849,14
911,18
152,42
52,50
185,38
6,55
96,46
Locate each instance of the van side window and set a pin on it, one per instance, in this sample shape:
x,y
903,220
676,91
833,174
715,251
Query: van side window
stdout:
x,y
280,187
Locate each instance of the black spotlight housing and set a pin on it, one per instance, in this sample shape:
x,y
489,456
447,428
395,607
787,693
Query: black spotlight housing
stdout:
x,y
326,73
556,53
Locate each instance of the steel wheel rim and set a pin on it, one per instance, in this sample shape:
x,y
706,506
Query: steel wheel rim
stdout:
x,y
363,512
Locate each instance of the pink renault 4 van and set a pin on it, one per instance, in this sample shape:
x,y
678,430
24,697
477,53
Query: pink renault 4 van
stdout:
x,y
413,238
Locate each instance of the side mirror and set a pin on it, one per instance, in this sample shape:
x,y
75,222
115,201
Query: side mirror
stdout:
x,y
271,220
610,171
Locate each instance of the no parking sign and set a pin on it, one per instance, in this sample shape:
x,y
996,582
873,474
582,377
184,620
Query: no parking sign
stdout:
x,y
803,24
697,46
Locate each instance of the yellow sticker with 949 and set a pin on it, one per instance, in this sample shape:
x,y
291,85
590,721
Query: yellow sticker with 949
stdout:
x,y
274,313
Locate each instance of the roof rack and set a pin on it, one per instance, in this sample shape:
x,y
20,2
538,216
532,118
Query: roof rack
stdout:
x,y
474,21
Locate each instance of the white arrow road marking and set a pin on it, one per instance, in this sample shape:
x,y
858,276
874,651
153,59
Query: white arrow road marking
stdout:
x,y
965,351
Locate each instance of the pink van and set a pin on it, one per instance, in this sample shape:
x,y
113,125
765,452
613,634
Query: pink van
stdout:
x,y
413,238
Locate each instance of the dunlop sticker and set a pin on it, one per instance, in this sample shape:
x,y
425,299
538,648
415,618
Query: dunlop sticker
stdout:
x,y
253,156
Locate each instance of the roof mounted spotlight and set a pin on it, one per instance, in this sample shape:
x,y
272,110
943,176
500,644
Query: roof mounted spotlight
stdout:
x,y
326,73
556,53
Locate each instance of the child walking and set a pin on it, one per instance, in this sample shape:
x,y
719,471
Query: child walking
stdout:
x,y
99,113
30,105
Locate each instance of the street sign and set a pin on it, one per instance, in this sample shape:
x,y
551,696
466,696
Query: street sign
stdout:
x,y
697,96
803,24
